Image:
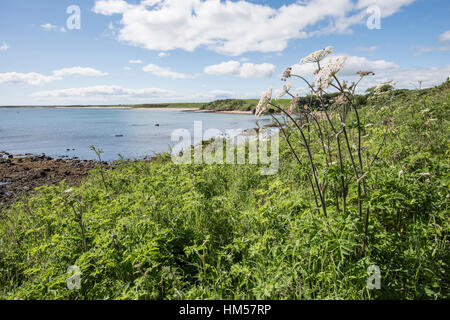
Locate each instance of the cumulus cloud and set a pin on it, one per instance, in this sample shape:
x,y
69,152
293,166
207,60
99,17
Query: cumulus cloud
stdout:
x,y
163,54
231,27
407,78
35,79
110,7
31,78
87,72
165,72
246,70
96,91
4,47
387,7
445,37
116,94
135,61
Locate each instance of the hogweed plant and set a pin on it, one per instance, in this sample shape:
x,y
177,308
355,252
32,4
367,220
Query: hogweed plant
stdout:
x,y
330,131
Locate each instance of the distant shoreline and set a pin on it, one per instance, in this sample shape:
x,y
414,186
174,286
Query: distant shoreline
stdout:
x,y
191,109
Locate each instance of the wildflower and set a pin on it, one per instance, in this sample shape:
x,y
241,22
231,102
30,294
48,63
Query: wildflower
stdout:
x,y
340,100
425,174
264,102
383,87
325,75
294,103
284,90
317,56
365,73
286,74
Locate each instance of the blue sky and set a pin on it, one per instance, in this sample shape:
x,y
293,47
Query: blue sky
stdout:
x,y
193,50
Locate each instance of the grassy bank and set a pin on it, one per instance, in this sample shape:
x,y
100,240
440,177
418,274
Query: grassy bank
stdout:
x,y
164,231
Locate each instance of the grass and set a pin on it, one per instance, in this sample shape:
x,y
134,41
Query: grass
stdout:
x,y
164,231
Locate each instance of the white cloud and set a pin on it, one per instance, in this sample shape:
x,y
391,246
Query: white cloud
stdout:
x,y
62,29
445,37
387,7
225,68
246,70
110,7
4,47
165,72
163,54
36,79
96,91
127,68
407,78
231,27
135,61
117,94
31,78
88,72
251,70
48,27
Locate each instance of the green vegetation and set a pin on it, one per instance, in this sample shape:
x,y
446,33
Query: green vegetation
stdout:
x,y
180,105
231,104
156,230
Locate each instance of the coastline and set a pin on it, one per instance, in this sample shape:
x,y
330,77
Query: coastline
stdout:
x,y
137,108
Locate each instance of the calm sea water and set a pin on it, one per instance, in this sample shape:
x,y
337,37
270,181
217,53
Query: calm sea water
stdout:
x,y
54,130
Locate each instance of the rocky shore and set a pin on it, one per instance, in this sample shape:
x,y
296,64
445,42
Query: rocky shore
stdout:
x,y
20,174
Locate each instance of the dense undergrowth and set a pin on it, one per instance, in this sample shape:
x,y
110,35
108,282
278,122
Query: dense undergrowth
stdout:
x,y
164,231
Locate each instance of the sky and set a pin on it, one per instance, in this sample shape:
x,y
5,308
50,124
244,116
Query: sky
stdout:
x,y
58,52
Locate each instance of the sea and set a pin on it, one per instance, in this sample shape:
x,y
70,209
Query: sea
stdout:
x,y
132,133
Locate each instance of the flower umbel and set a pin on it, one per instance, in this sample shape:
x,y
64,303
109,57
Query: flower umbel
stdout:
x,y
365,73
325,76
317,56
284,90
264,102
286,74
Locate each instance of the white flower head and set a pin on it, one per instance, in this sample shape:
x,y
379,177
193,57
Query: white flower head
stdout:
x,y
264,102
325,76
284,90
317,56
